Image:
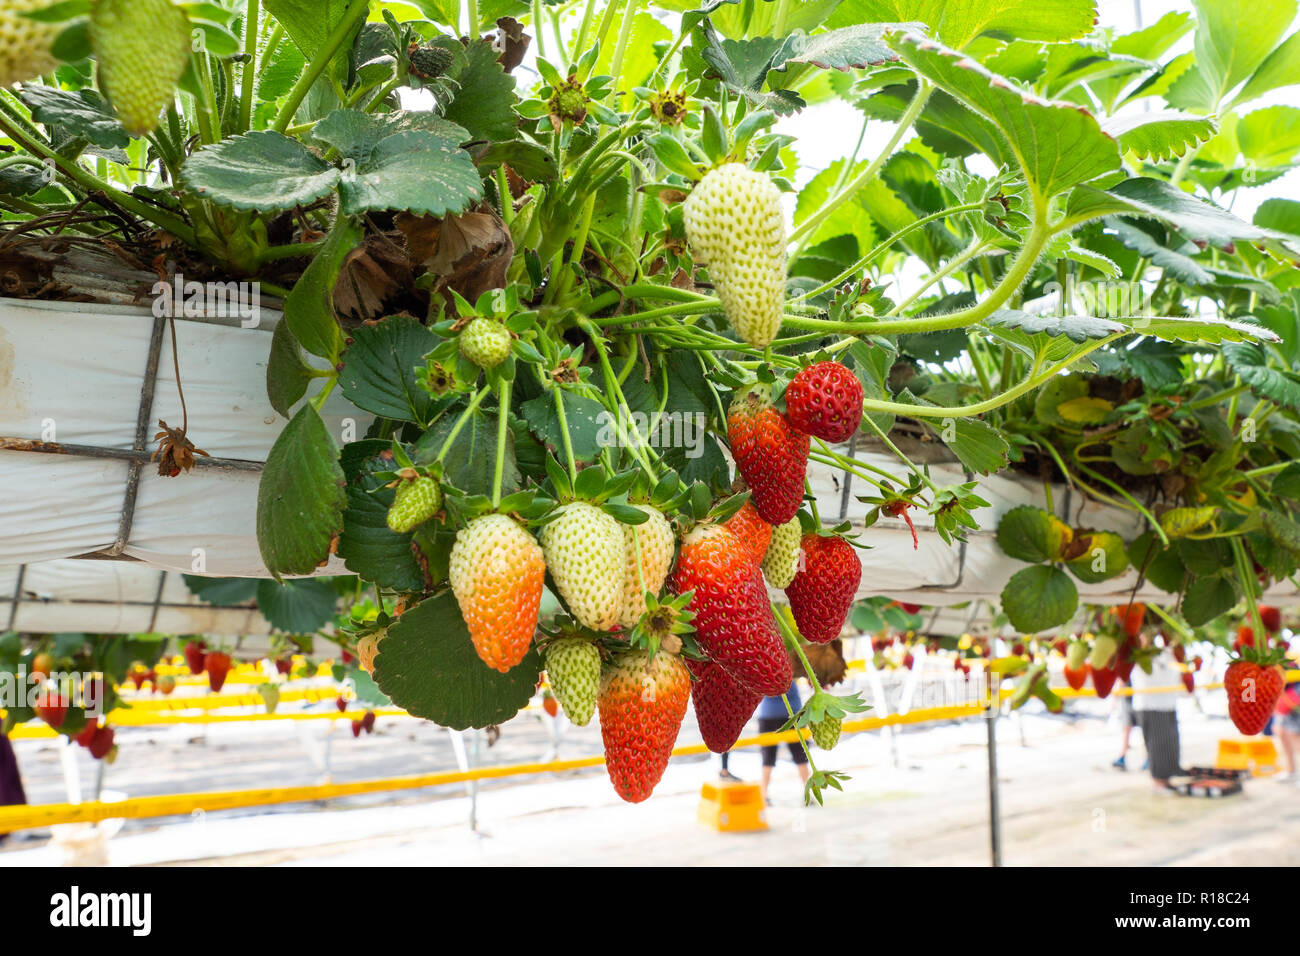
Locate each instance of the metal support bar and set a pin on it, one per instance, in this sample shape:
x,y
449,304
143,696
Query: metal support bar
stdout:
x,y
157,601
18,590
118,454
995,810
143,416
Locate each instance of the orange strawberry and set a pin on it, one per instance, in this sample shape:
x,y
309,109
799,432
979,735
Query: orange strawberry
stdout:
x,y
771,455
733,617
642,703
496,573
751,529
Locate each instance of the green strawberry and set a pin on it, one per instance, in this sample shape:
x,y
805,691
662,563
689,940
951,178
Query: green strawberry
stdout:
x,y
1076,654
430,62
573,667
485,342
736,226
584,553
1103,649
25,44
781,563
270,696
826,732
415,502
142,48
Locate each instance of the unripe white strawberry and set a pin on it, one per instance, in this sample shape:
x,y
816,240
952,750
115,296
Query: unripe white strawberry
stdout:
x,y
648,550
485,342
573,668
584,553
781,563
142,48
736,226
25,44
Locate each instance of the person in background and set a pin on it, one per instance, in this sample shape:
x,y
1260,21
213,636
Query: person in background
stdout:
x,y
1287,728
725,773
11,781
1158,718
1124,703
771,715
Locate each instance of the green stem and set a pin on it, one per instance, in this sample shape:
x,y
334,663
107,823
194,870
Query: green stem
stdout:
x,y
1175,625
460,422
1216,398
537,26
1246,575
782,17
503,429
564,435
579,41
248,76
804,231
624,35
970,252
639,446
472,21
356,11
1133,502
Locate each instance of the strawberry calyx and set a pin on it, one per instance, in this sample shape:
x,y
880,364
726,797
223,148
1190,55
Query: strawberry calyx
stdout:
x,y
1261,656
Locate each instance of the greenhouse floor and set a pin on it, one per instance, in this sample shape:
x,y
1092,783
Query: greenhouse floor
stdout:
x,y
1061,801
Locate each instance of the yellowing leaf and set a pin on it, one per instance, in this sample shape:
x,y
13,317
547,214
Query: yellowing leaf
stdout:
x,y
1085,410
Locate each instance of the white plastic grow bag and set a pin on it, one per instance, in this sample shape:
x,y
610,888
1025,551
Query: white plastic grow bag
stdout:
x,y
76,375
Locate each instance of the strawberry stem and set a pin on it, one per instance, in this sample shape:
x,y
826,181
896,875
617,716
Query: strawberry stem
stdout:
x,y
503,428
460,422
1248,582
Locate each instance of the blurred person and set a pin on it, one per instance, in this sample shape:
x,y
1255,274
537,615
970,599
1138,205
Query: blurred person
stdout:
x,y
11,781
725,773
1287,728
1127,720
1157,717
771,715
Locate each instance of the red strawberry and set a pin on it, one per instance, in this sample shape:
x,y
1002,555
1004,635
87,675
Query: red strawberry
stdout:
x,y
1180,654
1196,664
86,734
341,703
217,665
356,728
348,657
137,677
722,706
1103,679
1271,618
550,705
822,593
194,655
1076,676
283,665
1252,694
102,742
770,454
642,703
1124,663
825,400
1245,638
368,721
1188,681
1018,649
911,608
908,660
1060,645
733,617
1132,616
51,707
957,664
751,529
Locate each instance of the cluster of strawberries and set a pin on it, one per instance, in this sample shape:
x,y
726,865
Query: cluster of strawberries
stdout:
x,y
611,577
217,664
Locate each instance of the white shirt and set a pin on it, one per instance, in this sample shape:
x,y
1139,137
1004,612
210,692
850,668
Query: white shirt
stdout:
x,y
1164,673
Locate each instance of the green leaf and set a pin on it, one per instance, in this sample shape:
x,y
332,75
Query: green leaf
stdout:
x,y
980,446
297,607
485,104
1156,199
366,544
1286,483
309,22
1280,68
957,22
1278,385
848,48
300,499
262,170
309,306
221,592
1208,598
415,171
469,462
1270,137
427,665
1038,598
1279,215
287,374
355,135
1282,530
1175,329
1182,267
1159,136
1031,534
1056,144
1233,37
378,372
1204,557
743,65
1161,566
1077,328
590,427
80,114
1178,522
1103,556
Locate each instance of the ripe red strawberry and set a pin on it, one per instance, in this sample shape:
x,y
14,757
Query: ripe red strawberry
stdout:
x,y
1132,616
1124,662
825,400
368,721
87,733
910,608
1188,681
341,703
822,594
1060,645
137,677
217,664
770,454
733,617
356,728
722,706
1076,676
747,525
1018,649
1103,679
101,742
1196,664
1245,638
1271,618
283,665
1252,694
194,654
51,707
1180,654
908,660
642,703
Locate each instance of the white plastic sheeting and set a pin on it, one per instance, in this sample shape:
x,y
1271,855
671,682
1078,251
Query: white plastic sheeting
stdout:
x,y
72,374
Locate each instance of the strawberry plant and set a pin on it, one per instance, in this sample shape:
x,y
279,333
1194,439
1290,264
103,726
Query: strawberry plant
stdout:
x,y
546,251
